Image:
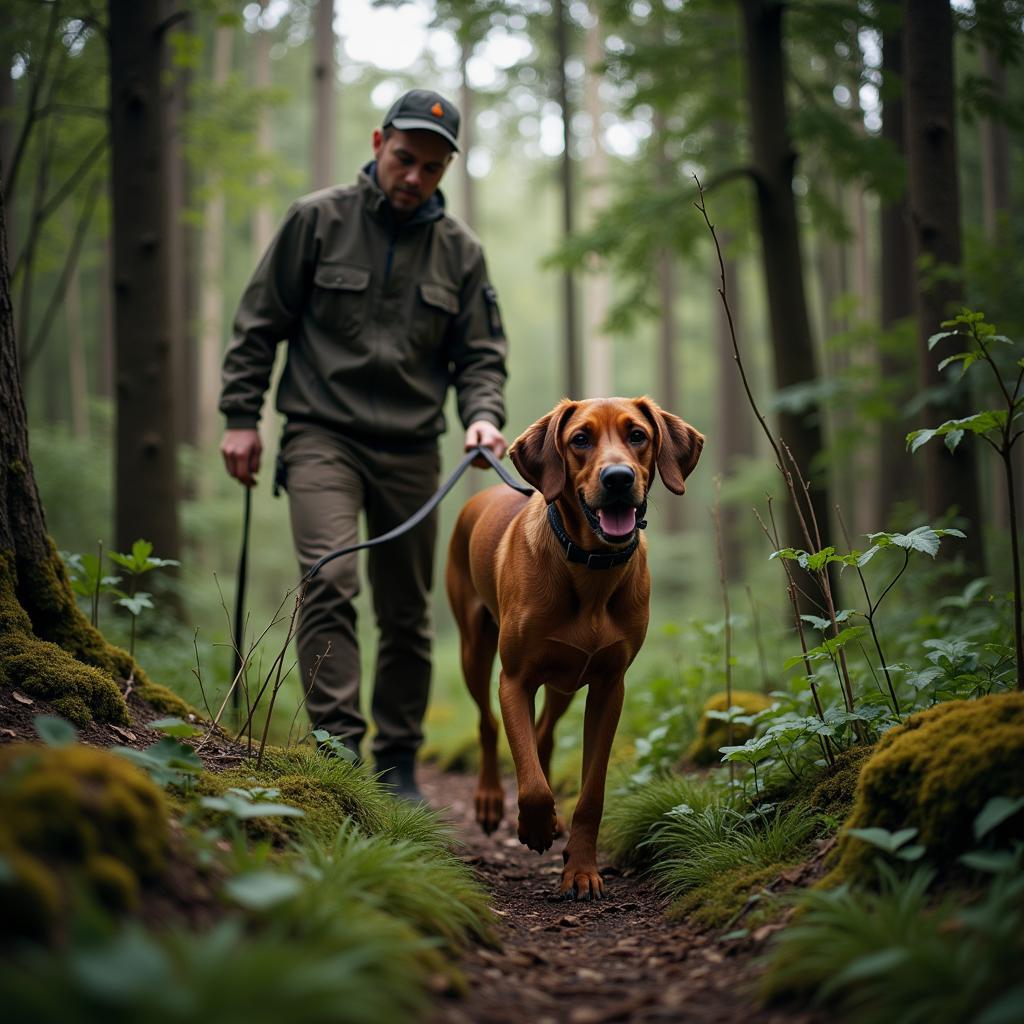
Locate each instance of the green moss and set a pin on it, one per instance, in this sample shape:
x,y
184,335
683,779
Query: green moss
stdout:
x,y
834,790
49,648
328,790
71,816
718,904
713,733
30,893
113,883
935,772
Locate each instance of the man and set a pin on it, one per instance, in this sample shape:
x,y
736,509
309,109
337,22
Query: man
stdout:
x,y
384,301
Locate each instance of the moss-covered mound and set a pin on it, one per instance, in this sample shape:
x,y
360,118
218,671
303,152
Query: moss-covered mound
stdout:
x,y
713,733
73,818
50,650
935,772
328,790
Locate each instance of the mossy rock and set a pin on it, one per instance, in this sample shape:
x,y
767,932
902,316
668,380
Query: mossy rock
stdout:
x,y
713,733
71,817
935,773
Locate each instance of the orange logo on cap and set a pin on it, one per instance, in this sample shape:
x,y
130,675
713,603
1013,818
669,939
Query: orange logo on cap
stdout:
x,y
437,110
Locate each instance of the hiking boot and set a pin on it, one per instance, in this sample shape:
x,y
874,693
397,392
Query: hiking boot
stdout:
x,y
397,770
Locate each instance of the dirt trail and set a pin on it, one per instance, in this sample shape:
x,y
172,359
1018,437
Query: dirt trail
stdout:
x,y
570,962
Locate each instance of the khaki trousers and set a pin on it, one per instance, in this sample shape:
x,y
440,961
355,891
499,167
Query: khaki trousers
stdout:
x,y
330,481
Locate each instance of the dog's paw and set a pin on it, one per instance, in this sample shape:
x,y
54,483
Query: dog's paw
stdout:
x,y
537,821
490,807
581,883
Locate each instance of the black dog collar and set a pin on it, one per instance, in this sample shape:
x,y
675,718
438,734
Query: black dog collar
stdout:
x,y
591,559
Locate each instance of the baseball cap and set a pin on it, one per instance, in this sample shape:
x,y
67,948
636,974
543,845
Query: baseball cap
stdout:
x,y
424,110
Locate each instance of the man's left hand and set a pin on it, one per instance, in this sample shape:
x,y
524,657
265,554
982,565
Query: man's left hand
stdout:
x,y
487,435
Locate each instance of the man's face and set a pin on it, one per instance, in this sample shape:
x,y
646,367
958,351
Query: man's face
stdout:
x,y
410,166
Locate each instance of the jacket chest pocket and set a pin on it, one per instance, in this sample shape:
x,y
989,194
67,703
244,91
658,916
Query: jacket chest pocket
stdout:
x,y
436,306
340,298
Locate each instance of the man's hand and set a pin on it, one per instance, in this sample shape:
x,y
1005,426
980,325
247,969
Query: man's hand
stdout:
x,y
242,450
484,433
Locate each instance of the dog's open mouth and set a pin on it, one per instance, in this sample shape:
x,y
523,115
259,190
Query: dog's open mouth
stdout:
x,y
614,522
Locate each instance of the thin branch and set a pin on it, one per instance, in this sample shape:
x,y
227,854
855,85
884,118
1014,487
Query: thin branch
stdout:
x,y
32,113
70,264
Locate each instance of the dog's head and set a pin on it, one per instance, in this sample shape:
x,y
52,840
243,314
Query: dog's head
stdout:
x,y
603,453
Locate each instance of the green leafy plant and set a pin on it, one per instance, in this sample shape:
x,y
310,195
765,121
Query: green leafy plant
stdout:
x,y
897,952
88,580
169,762
997,427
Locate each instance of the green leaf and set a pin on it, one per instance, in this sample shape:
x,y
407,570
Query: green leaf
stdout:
x,y
135,604
990,861
911,853
243,807
871,965
994,813
936,338
261,890
953,438
885,840
967,358
167,761
54,731
175,727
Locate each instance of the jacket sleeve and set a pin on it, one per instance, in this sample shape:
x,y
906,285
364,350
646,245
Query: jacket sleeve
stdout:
x,y
268,313
478,349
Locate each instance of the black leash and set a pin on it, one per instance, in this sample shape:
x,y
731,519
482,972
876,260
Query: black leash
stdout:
x,y
414,520
417,517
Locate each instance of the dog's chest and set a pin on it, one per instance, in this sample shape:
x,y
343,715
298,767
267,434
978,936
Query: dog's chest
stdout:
x,y
577,656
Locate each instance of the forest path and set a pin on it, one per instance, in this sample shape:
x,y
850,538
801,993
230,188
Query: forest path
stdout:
x,y
574,962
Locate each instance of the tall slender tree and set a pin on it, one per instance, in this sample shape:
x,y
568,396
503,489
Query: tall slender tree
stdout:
x,y
896,288
324,95
950,478
146,476
774,160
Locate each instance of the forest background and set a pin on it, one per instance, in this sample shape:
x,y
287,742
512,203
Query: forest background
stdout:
x,y
845,244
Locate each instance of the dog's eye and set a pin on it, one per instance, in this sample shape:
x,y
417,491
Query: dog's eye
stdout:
x,y
579,440
637,437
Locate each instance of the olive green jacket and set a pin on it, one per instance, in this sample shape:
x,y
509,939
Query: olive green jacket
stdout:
x,y
380,317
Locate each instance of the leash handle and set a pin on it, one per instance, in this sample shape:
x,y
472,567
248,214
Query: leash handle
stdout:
x,y
417,517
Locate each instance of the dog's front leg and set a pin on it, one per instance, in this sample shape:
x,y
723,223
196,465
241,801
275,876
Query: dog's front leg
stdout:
x,y
580,877
536,801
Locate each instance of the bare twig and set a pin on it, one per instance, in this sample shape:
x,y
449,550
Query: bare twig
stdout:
x,y
716,516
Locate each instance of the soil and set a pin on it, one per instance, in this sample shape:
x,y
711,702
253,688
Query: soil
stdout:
x,y
619,960
612,961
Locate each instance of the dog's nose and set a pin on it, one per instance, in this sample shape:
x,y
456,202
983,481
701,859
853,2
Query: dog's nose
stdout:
x,y
617,478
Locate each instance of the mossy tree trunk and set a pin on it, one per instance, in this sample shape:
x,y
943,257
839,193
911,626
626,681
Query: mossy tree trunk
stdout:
x,y
47,646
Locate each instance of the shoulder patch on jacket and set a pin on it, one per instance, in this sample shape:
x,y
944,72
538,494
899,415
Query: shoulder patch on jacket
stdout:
x,y
493,313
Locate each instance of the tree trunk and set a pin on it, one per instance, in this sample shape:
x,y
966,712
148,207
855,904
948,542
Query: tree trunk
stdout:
x,y
263,215
8,107
735,428
599,371
774,161
177,80
950,479
211,283
146,457
896,469
467,102
104,381
324,95
573,372
78,376
47,647
997,193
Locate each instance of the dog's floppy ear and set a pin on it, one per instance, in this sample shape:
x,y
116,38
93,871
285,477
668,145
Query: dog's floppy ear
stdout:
x,y
677,447
537,451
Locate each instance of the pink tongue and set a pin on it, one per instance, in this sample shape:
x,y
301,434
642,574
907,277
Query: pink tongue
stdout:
x,y
617,522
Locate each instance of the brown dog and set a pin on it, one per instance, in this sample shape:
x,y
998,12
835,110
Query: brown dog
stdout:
x,y
557,584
